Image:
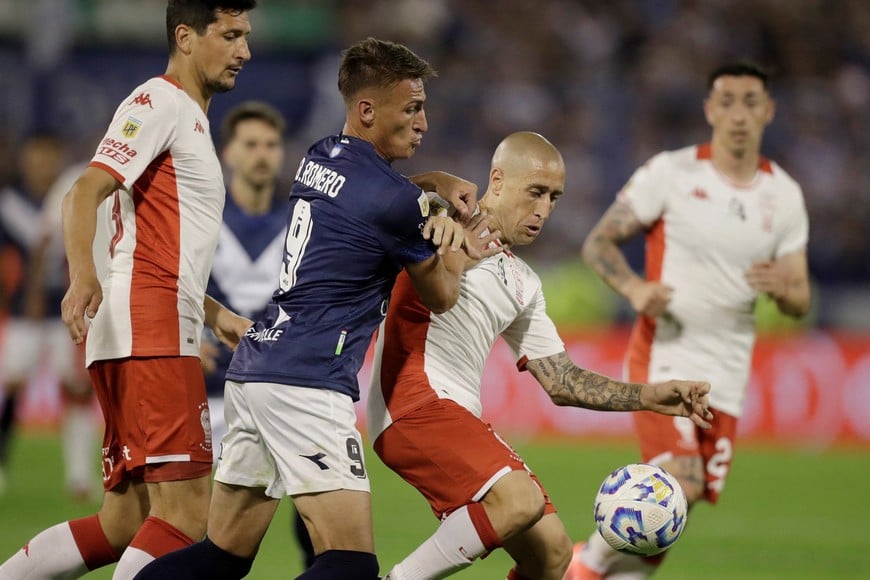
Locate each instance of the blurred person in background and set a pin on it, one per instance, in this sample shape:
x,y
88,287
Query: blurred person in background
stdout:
x,y
158,164
722,225
424,406
244,271
34,337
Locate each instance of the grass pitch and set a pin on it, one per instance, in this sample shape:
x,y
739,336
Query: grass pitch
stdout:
x,y
785,513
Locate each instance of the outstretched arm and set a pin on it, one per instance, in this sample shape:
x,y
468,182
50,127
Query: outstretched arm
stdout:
x,y
569,385
601,251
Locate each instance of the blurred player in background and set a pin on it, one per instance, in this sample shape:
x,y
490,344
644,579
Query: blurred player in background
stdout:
x,y
34,337
424,406
244,272
158,164
355,223
722,224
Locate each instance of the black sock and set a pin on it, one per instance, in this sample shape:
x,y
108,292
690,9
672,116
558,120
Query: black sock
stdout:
x,y
342,565
7,422
200,561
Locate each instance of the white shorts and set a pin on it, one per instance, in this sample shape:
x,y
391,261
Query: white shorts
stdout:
x,y
27,344
290,440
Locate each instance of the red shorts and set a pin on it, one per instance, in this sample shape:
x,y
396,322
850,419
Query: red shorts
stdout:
x,y
157,420
452,457
663,437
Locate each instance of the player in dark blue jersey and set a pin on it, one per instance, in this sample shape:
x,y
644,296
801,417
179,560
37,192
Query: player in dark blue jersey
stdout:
x,y
354,224
251,245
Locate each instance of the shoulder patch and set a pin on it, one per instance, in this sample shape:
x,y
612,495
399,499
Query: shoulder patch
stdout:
x,y
131,127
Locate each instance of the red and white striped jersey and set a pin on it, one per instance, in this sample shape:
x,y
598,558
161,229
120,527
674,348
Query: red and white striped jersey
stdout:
x,y
420,356
704,233
165,223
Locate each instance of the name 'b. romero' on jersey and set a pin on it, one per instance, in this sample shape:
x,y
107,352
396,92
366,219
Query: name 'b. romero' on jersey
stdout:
x,y
354,221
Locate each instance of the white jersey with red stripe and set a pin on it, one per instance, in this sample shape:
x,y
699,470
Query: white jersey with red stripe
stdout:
x,y
165,223
704,233
420,356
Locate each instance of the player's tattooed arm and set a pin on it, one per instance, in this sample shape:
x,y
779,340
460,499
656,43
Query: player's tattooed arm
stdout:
x,y
601,248
569,385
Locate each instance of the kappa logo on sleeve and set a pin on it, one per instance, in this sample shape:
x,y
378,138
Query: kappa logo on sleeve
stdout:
x,y
199,128
142,99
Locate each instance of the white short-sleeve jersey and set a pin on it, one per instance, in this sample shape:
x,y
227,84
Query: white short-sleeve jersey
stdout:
x,y
420,355
704,233
164,225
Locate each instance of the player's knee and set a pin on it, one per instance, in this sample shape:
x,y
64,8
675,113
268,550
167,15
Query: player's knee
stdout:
x,y
693,490
689,471
519,498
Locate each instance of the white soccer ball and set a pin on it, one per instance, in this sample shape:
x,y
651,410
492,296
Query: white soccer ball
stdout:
x,y
640,509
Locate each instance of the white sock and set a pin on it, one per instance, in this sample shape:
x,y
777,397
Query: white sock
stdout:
x,y
453,546
600,557
131,562
50,555
79,448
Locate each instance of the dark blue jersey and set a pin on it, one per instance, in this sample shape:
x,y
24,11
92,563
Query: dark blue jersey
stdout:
x,y
354,221
244,271
21,231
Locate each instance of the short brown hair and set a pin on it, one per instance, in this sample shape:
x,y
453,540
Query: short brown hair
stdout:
x,y
379,63
198,14
251,110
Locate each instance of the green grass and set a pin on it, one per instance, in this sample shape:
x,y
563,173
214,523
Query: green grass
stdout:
x,y
785,513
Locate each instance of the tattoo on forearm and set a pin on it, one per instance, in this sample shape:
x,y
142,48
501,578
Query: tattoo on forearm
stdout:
x,y
602,251
569,385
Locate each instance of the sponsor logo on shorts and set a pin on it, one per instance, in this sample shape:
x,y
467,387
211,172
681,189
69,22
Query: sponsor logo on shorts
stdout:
x,y
316,460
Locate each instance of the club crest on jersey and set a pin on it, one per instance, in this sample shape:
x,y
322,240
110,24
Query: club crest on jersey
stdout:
x,y
423,202
131,127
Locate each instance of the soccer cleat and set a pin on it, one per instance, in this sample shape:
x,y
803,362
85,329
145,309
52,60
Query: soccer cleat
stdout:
x,y
577,570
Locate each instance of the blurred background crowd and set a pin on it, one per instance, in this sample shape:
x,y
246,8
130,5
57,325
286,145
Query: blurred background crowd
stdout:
x,y
610,83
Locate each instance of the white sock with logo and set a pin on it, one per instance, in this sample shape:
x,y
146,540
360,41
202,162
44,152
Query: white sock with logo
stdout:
x,y
51,554
453,546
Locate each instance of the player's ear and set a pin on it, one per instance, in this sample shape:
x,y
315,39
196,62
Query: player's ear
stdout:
x,y
183,38
771,110
496,180
365,109
707,111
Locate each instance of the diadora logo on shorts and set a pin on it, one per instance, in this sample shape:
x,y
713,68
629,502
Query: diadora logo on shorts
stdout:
x,y
116,150
142,99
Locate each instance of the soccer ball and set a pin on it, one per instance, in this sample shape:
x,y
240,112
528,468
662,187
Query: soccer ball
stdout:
x,y
640,509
